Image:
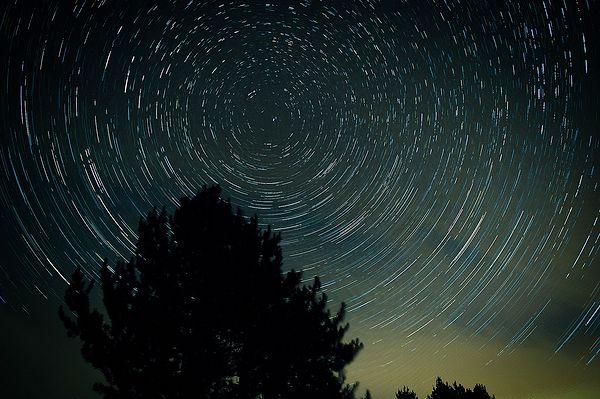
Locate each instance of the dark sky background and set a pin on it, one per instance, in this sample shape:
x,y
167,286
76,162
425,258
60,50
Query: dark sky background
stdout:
x,y
435,162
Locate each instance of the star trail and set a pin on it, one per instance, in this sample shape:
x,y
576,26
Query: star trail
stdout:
x,y
435,162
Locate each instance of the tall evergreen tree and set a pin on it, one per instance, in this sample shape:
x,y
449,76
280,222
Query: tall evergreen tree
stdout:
x,y
202,310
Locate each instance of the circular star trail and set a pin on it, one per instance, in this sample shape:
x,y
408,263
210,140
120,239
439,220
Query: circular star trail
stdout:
x,y
435,162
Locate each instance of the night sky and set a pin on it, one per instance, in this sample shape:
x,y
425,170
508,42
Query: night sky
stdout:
x,y
435,162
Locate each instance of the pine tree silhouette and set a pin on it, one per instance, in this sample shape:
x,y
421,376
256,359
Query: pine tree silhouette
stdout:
x,y
443,390
202,310
406,393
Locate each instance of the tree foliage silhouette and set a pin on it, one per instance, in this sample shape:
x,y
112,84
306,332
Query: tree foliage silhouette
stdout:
x,y
405,393
202,310
443,390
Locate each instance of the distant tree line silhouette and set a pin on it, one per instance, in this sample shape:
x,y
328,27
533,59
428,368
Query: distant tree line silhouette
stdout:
x,y
443,390
203,310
